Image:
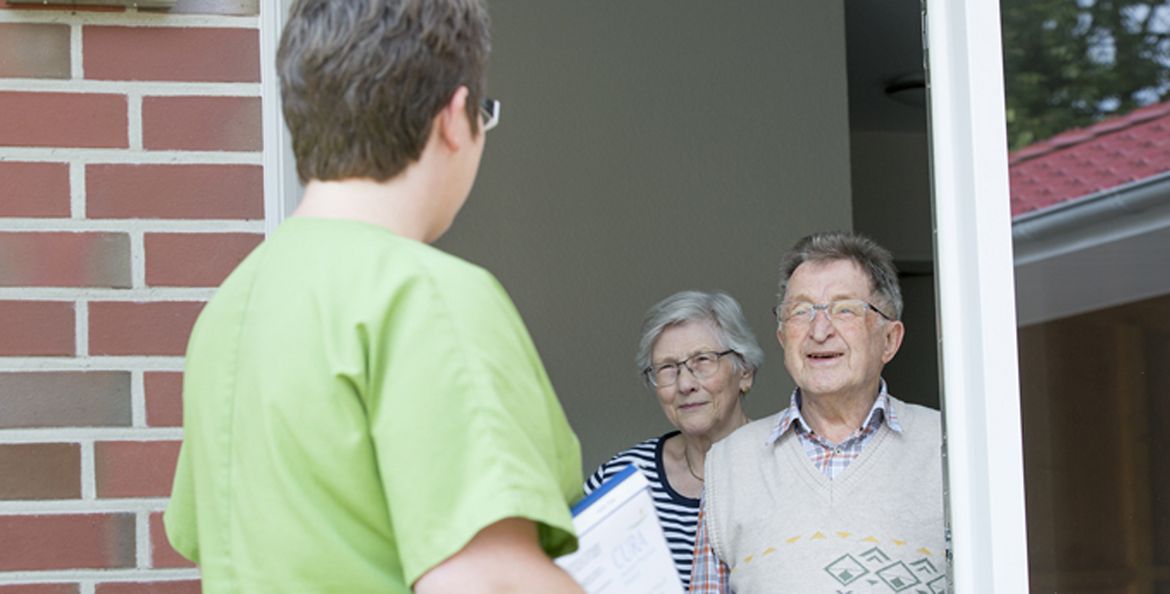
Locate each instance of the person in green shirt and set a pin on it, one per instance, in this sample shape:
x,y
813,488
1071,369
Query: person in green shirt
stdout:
x,y
363,412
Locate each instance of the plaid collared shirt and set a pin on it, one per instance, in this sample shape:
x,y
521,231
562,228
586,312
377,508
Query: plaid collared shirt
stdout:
x,y
709,574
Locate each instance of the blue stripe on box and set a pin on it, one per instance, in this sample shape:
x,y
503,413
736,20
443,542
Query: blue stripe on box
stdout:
x,y
605,487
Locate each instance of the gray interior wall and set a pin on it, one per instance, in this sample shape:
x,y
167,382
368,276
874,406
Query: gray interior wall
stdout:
x,y
891,204
891,191
646,148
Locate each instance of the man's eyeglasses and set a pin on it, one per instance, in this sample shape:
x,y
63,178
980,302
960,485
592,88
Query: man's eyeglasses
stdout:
x,y
841,311
490,110
701,365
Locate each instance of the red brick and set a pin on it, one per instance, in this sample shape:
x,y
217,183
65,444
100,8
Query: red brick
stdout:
x,y
162,555
40,471
67,541
138,328
201,123
195,259
164,398
75,120
175,192
171,587
34,189
36,328
36,259
41,588
65,399
135,468
34,50
171,54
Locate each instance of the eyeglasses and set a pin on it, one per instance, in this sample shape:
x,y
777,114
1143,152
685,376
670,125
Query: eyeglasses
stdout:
x,y
701,365
490,110
841,311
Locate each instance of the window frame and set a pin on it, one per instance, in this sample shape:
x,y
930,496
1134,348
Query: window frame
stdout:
x,y
282,187
974,277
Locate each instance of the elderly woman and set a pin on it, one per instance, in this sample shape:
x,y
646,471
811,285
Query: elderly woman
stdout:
x,y
699,356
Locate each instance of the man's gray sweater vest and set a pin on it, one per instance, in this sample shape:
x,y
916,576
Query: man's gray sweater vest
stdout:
x,y
782,526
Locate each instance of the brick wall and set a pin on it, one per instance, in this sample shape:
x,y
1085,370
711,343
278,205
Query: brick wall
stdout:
x,y
130,184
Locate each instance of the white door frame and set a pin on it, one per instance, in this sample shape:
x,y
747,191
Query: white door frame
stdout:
x,y
282,188
976,297
973,272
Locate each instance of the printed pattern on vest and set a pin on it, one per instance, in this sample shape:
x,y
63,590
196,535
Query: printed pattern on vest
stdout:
x,y
867,564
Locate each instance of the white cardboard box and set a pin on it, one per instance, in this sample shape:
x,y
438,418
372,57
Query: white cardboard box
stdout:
x,y
622,547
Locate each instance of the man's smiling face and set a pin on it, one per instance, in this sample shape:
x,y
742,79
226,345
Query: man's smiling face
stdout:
x,y
827,357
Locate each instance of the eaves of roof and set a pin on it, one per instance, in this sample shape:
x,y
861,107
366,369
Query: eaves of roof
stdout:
x,y
1091,216
1128,210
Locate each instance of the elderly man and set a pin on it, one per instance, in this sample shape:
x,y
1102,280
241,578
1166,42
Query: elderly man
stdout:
x,y
842,490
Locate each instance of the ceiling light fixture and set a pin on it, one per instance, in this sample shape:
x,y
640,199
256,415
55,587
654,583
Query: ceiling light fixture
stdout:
x,y
908,89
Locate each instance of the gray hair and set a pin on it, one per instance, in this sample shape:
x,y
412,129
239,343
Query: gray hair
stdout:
x,y
719,309
829,246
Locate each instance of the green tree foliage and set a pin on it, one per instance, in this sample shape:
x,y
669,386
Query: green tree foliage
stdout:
x,y
1070,63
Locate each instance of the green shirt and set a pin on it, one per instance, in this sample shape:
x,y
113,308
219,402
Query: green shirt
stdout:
x,y
357,406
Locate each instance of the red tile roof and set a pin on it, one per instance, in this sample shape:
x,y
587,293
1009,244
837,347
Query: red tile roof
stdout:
x,y
1083,161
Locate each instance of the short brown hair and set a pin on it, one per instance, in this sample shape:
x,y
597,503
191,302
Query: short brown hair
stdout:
x,y
362,80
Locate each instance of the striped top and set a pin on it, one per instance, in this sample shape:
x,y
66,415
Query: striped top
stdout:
x,y
679,515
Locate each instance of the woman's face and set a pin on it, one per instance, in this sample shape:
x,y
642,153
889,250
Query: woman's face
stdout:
x,y
699,407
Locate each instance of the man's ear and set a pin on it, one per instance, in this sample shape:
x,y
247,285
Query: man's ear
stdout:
x,y
895,331
451,124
